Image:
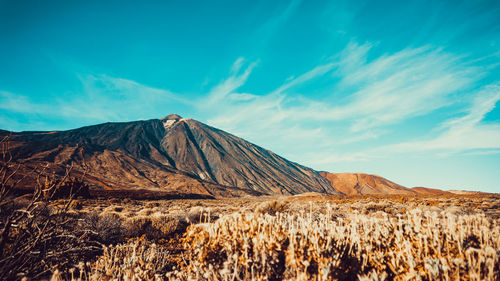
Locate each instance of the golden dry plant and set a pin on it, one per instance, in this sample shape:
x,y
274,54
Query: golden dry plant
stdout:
x,y
318,241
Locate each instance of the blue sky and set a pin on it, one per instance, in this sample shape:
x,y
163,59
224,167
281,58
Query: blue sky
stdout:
x,y
408,90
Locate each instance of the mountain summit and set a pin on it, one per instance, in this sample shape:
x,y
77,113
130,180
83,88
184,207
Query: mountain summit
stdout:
x,y
172,154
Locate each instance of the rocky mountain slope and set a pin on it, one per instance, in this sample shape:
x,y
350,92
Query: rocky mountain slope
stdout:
x,y
173,154
180,156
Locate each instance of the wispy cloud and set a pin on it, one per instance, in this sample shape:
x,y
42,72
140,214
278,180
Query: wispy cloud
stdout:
x,y
465,133
20,104
235,80
269,29
102,99
365,96
392,88
468,134
116,99
318,71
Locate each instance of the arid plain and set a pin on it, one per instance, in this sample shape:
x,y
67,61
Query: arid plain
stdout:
x,y
303,237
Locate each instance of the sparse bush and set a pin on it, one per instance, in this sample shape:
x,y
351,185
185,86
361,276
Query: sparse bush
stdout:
x,y
199,214
417,245
75,205
137,260
34,236
271,207
167,225
106,228
136,226
151,205
156,226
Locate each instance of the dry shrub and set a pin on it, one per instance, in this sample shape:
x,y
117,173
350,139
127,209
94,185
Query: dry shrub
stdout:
x,y
271,207
200,214
75,205
417,245
68,187
113,209
157,226
421,243
106,228
136,226
137,260
151,205
146,212
35,237
167,225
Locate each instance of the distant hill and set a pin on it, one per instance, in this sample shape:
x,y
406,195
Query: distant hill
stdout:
x,y
429,191
360,184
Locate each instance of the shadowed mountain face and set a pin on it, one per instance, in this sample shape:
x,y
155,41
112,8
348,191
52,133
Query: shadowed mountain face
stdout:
x,y
171,154
217,156
360,184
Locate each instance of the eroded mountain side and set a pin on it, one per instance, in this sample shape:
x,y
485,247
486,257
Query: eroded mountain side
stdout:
x,y
171,153
174,154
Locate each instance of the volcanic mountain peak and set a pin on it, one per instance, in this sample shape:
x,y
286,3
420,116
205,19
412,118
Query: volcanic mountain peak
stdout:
x,y
170,120
171,117
166,154
183,155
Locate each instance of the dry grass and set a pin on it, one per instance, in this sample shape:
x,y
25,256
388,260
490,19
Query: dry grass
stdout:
x,y
137,260
316,238
418,245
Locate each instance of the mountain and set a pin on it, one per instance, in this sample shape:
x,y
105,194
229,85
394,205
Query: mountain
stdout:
x,y
168,154
177,156
361,184
430,191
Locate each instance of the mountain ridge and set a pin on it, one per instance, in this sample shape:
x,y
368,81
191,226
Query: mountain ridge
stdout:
x,y
167,154
186,156
362,184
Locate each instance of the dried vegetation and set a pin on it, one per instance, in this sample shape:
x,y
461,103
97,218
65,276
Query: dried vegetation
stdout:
x,y
319,238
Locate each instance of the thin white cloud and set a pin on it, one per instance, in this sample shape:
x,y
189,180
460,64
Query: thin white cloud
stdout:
x,y
106,98
352,59
465,133
20,104
365,96
102,99
233,82
319,70
268,30
394,87
468,134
